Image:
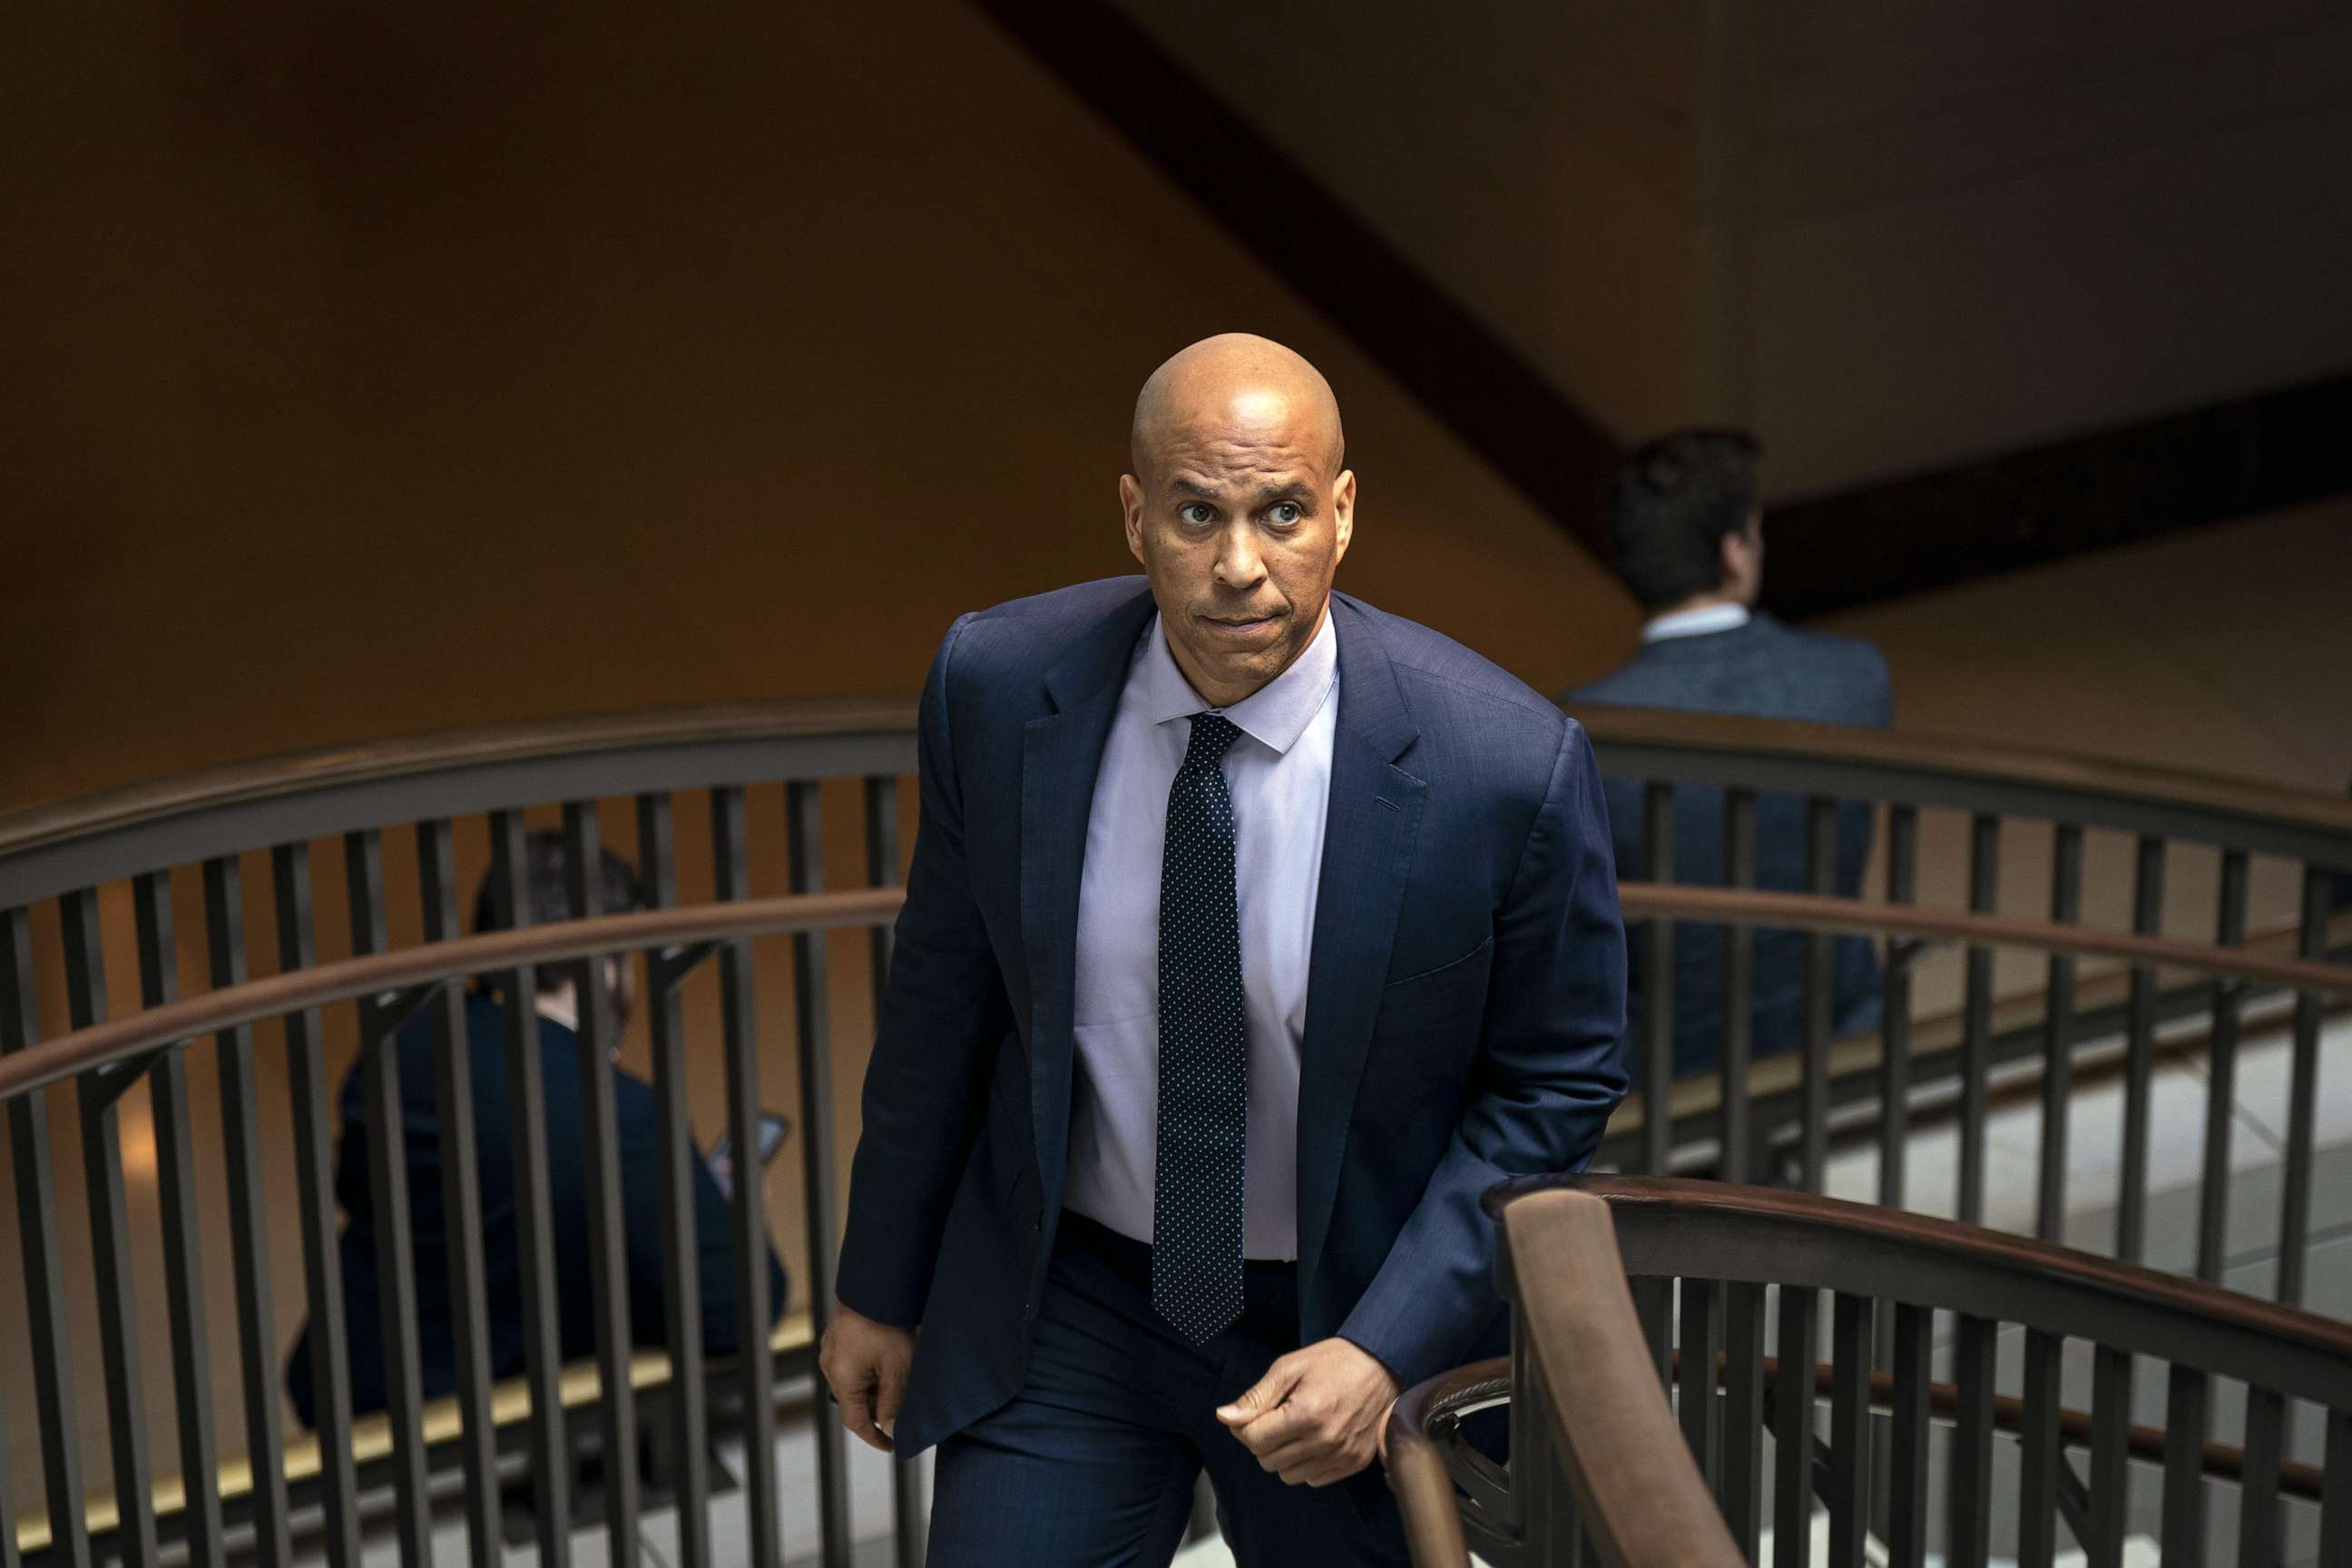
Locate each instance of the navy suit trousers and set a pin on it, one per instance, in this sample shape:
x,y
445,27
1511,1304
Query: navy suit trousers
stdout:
x,y
1093,1463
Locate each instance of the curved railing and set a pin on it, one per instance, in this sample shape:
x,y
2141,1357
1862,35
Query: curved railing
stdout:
x,y
347,865
1719,1271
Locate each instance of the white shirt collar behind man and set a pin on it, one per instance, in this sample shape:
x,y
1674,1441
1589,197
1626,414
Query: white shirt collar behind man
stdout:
x,y
1695,623
1279,776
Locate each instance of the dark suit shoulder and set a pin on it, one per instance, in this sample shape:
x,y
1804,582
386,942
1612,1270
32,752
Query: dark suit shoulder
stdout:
x,y
1023,638
1429,662
1475,719
1851,654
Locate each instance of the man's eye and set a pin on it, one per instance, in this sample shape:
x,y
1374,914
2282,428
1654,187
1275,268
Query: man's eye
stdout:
x,y
1197,511
1284,512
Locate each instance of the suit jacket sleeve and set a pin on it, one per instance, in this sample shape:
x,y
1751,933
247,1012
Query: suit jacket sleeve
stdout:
x,y
943,1015
1549,1072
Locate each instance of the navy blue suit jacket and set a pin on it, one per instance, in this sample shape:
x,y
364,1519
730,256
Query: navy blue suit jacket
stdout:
x,y
1764,670
1465,996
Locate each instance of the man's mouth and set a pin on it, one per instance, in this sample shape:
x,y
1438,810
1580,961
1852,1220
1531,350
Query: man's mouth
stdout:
x,y
1242,623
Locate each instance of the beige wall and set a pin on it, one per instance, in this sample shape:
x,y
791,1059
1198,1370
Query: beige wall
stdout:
x,y
1888,236
1540,163
375,370
1987,226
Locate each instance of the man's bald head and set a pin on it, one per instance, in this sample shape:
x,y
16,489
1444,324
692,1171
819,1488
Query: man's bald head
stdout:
x,y
1239,508
1236,385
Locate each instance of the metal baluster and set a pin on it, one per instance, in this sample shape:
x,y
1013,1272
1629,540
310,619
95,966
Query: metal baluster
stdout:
x,y
1738,986
2336,1492
551,1451
2184,1468
2139,1056
1545,1517
1816,1002
1654,1305
388,1192
882,871
248,1214
461,1202
2259,1536
1658,984
1968,1503
176,1183
1849,1487
37,1228
673,1139
9,1557
1742,1492
813,1016
2111,1382
2221,1080
1894,1009
1701,1352
2039,1452
1794,1421
2302,1096
1906,1520
608,1246
731,878
2058,1035
109,1226
1975,1036
306,1073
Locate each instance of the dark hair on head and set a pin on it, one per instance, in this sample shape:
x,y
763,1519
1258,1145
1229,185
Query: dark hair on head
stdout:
x,y
1671,504
547,883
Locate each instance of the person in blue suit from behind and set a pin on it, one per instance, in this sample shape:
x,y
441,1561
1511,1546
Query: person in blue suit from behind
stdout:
x,y
556,1012
1683,517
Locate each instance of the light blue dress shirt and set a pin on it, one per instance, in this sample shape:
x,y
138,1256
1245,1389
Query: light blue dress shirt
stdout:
x,y
1279,774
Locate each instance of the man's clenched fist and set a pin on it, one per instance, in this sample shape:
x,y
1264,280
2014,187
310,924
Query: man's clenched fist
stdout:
x,y
865,1364
1319,1416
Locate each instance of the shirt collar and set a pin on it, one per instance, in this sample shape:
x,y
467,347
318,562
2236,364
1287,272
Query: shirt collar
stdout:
x,y
1695,622
1275,715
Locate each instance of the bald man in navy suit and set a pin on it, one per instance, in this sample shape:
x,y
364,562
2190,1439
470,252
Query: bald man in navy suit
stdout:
x,y
1251,934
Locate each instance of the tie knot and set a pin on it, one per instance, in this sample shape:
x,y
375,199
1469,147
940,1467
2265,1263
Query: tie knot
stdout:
x,y
1212,734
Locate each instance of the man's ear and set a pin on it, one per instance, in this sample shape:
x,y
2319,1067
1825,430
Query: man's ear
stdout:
x,y
1130,506
1343,513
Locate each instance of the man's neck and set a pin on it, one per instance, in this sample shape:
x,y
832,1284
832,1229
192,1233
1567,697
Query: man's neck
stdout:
x,y
560,1007
1693,616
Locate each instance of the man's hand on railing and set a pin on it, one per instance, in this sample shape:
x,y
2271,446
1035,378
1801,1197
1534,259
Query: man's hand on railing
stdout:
x,y
865,1364
1319,1414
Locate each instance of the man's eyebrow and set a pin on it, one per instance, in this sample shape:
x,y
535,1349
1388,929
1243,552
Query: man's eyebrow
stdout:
x,y
1296,492
1183,486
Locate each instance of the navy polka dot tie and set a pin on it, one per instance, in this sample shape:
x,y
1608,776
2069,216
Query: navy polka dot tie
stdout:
x,y
1196,1209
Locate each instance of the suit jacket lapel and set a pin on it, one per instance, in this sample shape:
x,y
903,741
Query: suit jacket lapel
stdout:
x,y
1061,753
1367,838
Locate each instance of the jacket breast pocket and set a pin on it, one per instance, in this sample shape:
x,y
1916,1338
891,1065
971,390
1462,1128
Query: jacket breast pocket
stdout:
x,y
1429,1023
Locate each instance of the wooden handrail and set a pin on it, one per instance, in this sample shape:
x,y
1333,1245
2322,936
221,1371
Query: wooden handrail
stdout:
x,y
333,767
1640,1499
1809,912
1961,757
1891,1237
132,1035
1784,742
1417,1473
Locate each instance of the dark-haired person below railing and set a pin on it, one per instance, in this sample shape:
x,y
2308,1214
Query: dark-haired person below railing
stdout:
x,y
557,1008
1684,517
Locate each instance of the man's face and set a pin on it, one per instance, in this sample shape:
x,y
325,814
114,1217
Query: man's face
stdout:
x,y
1239,522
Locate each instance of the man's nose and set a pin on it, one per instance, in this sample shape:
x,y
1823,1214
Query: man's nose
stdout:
x,y
1239,564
